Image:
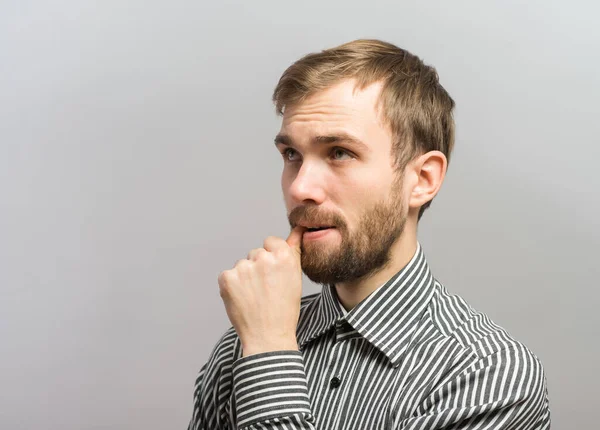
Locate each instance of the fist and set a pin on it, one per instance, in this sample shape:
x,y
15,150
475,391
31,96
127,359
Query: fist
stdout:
x,y
262,295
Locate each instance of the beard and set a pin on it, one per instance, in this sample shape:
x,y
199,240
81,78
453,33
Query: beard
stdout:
x,y
362,252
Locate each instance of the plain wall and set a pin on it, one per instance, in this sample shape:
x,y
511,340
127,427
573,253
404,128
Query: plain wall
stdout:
x,y
136,163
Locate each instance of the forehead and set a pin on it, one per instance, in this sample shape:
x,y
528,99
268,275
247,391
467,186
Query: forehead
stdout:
x,y
339,108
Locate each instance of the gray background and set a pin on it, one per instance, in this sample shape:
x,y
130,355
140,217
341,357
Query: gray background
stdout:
x,y
136,163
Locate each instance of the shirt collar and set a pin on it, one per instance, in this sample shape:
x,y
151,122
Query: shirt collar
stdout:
x,y
387,318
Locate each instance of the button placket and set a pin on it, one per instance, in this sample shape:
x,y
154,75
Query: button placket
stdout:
x,y
334,379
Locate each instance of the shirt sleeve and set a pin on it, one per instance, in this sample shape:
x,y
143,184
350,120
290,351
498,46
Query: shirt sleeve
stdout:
x,y
503,391
212,389
271,392
199,419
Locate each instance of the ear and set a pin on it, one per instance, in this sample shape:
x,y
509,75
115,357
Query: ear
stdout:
x,y
428,172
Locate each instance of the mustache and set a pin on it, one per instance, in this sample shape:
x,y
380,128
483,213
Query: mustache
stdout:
x,y
314,215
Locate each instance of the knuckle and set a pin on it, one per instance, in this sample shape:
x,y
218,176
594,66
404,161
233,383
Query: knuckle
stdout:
x,y
267,256
255,254
223,277
270,241
241,263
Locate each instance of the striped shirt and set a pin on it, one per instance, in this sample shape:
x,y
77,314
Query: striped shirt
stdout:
x,y
409,356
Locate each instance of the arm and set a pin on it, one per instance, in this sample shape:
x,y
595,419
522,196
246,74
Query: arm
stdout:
x,y
271,392
212,390
262,296
267,390
503,391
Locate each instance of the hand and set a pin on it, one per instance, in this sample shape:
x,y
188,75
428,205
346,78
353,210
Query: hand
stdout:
x,y
262,295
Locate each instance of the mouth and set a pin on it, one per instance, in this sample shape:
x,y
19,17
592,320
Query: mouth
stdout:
x,y
311,229
317,228
317,233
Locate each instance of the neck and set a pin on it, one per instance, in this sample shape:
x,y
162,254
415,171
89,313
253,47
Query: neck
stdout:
x,y
352,293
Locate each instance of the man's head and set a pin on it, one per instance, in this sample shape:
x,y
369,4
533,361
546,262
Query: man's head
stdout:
x,y
366,134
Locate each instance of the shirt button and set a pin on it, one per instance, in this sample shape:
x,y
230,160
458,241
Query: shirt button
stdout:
x,y
335,382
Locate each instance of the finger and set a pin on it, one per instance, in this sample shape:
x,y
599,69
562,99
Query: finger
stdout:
x,y
242,264
252,255
294,240
274,243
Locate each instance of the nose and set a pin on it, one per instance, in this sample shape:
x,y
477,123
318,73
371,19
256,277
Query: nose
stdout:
x,y
308,185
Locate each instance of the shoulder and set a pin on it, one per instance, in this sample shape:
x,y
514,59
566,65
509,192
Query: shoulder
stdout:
x,y
212,388
486,346
217,369
482,344
473,330
226,348
491,366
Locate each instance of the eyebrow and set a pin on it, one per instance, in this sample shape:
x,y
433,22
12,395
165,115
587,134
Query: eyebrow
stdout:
x,y
284,139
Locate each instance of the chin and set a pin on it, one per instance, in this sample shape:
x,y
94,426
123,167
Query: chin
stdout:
x,y
320,250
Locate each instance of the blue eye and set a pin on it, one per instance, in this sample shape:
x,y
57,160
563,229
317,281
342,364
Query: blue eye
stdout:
x,y
286,154
337,151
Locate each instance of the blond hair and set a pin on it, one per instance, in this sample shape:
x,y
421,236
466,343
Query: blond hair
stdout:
x,y
412,101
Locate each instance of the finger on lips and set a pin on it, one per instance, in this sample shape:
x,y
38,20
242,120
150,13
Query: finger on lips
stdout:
x,y
295,238
271,245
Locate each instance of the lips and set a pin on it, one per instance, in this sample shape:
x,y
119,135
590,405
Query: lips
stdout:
x,y
318,228
317,234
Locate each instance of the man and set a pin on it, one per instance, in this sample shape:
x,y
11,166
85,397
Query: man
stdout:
x,y
366,136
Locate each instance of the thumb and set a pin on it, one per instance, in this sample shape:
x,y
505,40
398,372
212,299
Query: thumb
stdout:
x,y
295,238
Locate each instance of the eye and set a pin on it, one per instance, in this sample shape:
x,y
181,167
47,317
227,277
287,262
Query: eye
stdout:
x,y
287,153
339,152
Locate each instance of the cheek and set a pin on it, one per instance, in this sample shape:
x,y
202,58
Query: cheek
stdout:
x,y
361,194
366,189
285,187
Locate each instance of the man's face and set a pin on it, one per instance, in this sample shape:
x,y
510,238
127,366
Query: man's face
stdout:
x,y
338,173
